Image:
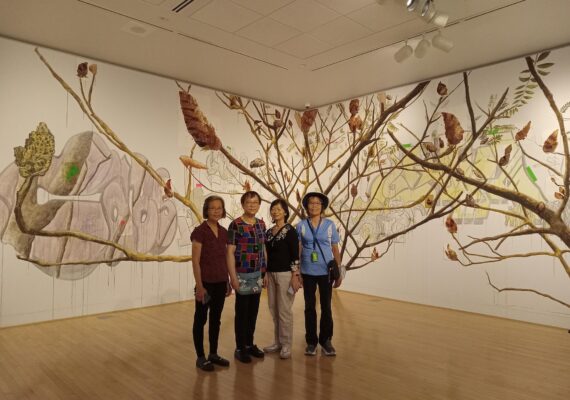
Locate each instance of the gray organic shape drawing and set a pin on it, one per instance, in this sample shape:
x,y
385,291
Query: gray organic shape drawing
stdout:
x,y
92,189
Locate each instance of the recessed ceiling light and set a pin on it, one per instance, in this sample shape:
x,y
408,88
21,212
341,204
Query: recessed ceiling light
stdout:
x,y
137,29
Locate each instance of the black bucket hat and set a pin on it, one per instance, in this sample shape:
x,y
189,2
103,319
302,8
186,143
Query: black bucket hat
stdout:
x,y
323,197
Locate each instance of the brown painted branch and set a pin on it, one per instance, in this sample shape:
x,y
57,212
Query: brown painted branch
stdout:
x,y
22,193
106,131
389,111
527,202
564,137
507,289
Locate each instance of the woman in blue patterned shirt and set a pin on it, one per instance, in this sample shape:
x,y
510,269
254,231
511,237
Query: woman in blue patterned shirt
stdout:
x,y
246,258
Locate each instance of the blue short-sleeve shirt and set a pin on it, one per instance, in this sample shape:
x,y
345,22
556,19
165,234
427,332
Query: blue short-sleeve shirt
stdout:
x,y
327,235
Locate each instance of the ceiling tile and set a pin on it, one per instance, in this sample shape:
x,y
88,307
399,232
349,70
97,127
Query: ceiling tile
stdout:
x,y
340,31
381,17
304,15
268,32
226,15
303,46
344,7
264,7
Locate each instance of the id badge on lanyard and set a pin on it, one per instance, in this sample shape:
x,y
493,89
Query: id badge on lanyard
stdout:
x,y
314,254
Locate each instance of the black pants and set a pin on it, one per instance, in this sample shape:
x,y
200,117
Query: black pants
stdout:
x,y
310,283
217,292
247,307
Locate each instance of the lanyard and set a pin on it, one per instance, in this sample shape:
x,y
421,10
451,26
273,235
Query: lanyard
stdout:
x,y
314,232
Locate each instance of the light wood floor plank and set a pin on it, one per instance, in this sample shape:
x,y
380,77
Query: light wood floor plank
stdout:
x,y
386,350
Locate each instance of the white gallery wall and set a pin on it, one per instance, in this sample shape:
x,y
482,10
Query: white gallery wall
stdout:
x,y
144,110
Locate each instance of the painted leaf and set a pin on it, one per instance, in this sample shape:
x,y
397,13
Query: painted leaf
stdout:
x,y
82,70
353,191
246,186
197,124
441,143
451,254
441,89
191,163
308,119
558,195
428,203
470,200
551,143
431,147
478,174
522,134
374,256
354,106
355,123
168,188
277,114
504,160
450,225
235,102
93,69
453,129
258,162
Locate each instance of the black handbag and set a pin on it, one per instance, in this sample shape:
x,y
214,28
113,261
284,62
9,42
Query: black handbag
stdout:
x,y
332,265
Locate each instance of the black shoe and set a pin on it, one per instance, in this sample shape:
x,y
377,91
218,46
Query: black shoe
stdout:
x,y
311,350
328,349
255,352
216,359
242,355
204,364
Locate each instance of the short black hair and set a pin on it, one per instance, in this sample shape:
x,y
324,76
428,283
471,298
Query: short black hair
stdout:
x,y
283,205
249,194
207,202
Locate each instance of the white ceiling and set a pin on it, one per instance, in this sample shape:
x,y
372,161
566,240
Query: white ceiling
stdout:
x,y
287,52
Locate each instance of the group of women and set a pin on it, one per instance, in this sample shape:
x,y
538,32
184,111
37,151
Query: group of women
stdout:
x,y
247,257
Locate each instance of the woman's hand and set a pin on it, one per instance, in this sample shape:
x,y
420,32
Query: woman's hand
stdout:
x,y
235,283
200,293
296,282
266,280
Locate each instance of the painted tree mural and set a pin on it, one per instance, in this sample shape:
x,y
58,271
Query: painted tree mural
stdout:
x,y
389,164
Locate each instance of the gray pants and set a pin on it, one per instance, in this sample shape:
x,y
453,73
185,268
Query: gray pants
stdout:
x,y
280,305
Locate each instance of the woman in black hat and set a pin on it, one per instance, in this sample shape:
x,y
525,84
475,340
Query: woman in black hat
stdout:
x,y
319,244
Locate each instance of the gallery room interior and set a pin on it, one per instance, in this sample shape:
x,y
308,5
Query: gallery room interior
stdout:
x,y
437,129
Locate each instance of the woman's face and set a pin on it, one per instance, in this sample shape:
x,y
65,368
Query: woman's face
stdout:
x,y
277,213
251,206
215,210
314,206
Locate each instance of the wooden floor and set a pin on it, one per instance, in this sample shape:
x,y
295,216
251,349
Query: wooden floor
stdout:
x,y
386,350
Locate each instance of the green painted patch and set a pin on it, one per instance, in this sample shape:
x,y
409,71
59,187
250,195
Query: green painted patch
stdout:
x,y
531,174
493,131
71,172
407,145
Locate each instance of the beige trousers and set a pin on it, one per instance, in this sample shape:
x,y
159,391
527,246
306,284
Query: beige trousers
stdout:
x,y
280,306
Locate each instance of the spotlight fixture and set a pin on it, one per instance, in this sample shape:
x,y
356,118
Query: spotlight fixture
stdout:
x,y
440,19
422,47
428,12
411,4
441,42
404,53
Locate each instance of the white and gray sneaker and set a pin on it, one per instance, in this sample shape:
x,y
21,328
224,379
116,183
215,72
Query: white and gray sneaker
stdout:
x,y
274,348
285,353
328,349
